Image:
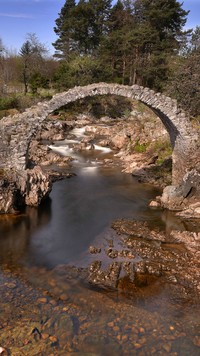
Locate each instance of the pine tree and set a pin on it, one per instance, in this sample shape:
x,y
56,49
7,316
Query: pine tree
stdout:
x,y
184,81
63,29
32,53
133,39
159,26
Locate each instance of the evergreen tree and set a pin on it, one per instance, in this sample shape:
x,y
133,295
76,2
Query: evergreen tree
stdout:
x,y
159,27
32,53
133,39
116,47
184,82
100,15
64,29
81,27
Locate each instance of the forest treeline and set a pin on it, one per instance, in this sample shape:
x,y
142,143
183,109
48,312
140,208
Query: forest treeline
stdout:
x,y
128,42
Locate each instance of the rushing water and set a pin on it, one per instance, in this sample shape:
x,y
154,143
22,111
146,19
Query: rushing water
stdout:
x,y
77,214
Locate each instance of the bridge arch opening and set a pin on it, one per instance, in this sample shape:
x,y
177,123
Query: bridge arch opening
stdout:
x,y
18,131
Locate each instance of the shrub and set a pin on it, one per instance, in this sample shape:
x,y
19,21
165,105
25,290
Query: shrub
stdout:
x,y
8,102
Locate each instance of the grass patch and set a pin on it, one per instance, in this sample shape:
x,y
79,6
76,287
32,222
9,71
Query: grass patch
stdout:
x,y
163,149
140,147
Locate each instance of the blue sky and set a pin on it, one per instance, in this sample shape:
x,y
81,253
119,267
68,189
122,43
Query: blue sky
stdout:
x,y
19,17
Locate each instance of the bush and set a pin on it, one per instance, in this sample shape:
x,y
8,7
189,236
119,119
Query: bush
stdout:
x,y
8,102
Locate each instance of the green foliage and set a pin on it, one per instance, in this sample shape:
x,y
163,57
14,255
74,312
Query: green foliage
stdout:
x,y
8,102
32,54
160,148
163,149
81,27
81,70
184,82
140,147
127,42
37,81
133,40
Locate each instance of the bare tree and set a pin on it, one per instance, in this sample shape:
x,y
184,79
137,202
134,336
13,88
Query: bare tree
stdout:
x,y
33,54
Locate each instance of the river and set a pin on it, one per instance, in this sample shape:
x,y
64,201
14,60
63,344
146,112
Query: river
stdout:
x,y
35,245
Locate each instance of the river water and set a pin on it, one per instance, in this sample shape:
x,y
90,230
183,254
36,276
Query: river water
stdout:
x,y
79,212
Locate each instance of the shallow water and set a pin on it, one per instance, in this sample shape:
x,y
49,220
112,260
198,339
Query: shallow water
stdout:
x,y
78,214
79,209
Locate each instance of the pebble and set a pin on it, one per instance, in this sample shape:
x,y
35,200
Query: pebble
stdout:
x,y
45,336
119,337
11,285
53,302
116,328
141,330
52,282
94,250
167,347
65,308
124,338
64,297
53,339
42,300
137,345
196,341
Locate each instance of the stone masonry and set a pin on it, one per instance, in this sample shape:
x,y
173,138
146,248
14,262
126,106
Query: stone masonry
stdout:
x,y
16,132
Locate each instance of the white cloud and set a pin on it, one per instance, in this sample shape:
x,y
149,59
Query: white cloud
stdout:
x,y
20,16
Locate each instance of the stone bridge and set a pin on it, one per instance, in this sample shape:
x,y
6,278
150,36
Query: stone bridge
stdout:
x,y
16,132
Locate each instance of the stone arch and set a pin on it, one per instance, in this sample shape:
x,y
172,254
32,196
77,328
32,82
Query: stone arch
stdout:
x,y
16,132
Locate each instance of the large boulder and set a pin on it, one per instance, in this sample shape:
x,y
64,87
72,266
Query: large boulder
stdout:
x,y
18,189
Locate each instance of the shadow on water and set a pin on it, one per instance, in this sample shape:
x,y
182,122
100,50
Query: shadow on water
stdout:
x,y
16,231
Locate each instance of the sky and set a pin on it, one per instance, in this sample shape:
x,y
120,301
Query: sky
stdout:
x,y
20,17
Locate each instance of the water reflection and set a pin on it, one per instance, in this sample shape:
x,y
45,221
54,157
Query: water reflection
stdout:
x,y
81,209
16,231
77,212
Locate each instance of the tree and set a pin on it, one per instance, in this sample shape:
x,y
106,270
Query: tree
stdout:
x,y
64,30
80,70
2,48
195,40
119,24
184,82
37,81
133,39
33,54
8,68
159,26
26,53
80,27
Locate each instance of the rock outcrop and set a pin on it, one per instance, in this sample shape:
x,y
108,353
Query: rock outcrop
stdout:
x,y
28,187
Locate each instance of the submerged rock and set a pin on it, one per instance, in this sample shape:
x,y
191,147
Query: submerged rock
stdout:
x,y
142,256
